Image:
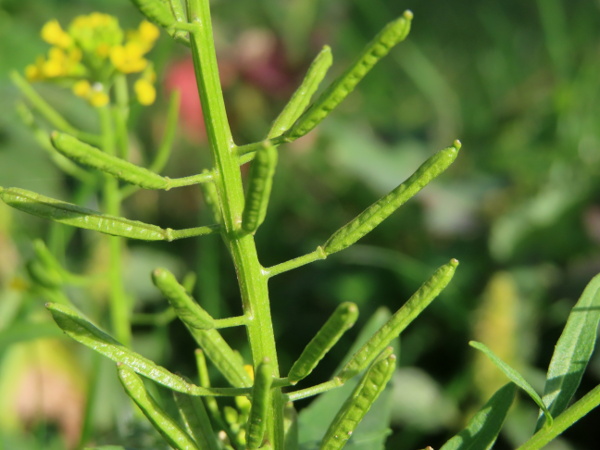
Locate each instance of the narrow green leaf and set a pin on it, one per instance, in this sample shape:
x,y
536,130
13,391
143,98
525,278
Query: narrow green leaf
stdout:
x,y
399,321
189,311
341,320
384,207
84,332
575,412
261,405
302,96
482,430
76,216
196,421
260,182
515,377
393,33
573,351
362,398
166,426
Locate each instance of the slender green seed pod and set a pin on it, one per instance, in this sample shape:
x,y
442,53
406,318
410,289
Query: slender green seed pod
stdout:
x,y
92,157
157,11
211,197
384,207
400,320
301,97
86,333
190,312
42,275
341,320
360,401
164,424
225,359
261,393
392,34
259,187
76,216
196,421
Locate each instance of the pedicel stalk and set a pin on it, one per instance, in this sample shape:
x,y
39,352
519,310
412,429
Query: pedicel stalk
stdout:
x,y
96,65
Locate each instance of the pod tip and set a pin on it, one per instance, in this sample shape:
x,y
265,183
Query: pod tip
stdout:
x,y
457,144
408,14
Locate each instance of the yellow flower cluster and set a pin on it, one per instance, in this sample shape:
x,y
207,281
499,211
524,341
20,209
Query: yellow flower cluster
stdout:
x,y
91,51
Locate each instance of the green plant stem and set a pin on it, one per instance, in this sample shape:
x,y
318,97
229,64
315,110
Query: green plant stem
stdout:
x,y
571,415
228,181
118,302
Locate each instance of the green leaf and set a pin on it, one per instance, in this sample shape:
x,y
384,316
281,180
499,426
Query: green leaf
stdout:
x,y
573,350
166,426
515,377
84,332
482,430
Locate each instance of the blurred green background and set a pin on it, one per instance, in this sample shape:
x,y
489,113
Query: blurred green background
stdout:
x,y
517,82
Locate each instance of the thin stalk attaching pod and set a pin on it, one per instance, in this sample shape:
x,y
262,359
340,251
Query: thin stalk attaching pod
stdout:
x,y
399,321
86,333
341,320
384,207
392,34
259,187
261,405
76,216
123,170
166,426
302,96
190,312
360,401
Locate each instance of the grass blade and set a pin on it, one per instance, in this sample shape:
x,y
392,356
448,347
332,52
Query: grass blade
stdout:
x,y
515,377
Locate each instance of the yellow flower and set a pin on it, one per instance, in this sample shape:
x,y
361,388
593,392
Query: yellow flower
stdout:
x,y
53,34
128,58
82,88
148,32
144,91
98,99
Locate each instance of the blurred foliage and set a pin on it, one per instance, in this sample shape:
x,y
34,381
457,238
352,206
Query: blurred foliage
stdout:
x,y
516,81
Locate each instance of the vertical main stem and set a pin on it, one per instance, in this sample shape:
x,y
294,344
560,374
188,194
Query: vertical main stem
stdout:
x,y
118,302
251,276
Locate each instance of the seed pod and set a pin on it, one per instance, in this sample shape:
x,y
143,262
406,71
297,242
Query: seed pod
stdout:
x,y
190,312
341,320
157,11
42,275
261,407
360,401
384,207
166,426
76,216
400,320
301,97
86,333
92,157
392,34
259,187
196,421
